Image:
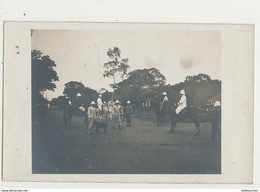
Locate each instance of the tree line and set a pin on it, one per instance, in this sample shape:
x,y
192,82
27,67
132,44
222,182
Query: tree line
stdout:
x,y
135,85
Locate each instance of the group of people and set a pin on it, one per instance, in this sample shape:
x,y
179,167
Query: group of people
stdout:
x,y
111,111
182,104
114,112
215,113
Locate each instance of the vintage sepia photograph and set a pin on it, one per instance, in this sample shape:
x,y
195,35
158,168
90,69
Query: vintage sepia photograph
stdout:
x,y
126,101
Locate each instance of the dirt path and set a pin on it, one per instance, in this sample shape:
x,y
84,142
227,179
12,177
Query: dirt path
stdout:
x,y
142,148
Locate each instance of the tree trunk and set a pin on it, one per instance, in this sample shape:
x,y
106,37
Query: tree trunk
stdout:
x,y
114,82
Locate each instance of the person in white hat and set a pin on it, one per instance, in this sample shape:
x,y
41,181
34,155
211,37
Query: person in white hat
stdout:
x,y
217,103
128,113
110,110
100,103
182,102
216,121
105,111
165,99
91,117
117,115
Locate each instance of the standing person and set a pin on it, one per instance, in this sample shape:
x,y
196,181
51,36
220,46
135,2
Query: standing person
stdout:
x,y
117,115
216,121
121,112
91,117
128,113
182,103
105,111
110,110
100,104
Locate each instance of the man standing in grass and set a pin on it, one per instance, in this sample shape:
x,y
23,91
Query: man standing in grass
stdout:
x,y
128,113
216,121
91,117
117,115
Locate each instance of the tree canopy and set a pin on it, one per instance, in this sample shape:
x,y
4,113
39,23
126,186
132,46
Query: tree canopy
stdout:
x,y
199,88
43,79
143,78
43,73
78,94
115,67
139,83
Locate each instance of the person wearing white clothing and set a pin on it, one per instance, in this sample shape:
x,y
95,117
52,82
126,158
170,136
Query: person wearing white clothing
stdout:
x,y
110,110
100,103
92,115
117,115
182,103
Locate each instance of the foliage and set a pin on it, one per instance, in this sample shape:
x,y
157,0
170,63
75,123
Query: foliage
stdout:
x,y
140,83
143,78
72,88
115,66
60,101
199,89
77,93
43,79
107,96
43,73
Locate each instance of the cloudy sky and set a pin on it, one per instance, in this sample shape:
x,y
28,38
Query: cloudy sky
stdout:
x,y
80,55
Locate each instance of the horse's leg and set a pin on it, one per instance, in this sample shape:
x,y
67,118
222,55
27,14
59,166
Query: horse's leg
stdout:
x,y
70,119
65,118
158,120
197,124
85,119
174,122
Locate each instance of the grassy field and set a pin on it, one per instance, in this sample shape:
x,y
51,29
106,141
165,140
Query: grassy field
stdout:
x,y
143,148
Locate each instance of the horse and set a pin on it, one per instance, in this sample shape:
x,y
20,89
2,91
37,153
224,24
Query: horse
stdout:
x,y
161,110
189,112
169,108
72,110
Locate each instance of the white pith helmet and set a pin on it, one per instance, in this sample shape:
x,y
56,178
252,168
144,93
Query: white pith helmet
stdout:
x,y
182,92
128,102
78,94
217,103
82,108
93,103
117,101
100,95
104,102
164,93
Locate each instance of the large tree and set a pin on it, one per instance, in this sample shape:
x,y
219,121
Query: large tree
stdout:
x,y
60,101
78,94
139,84
199,88
115,67
144,78
43,73
43,79
73,88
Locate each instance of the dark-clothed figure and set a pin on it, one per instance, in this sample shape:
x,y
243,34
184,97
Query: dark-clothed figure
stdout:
x,y
128,113
216,121
165,100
